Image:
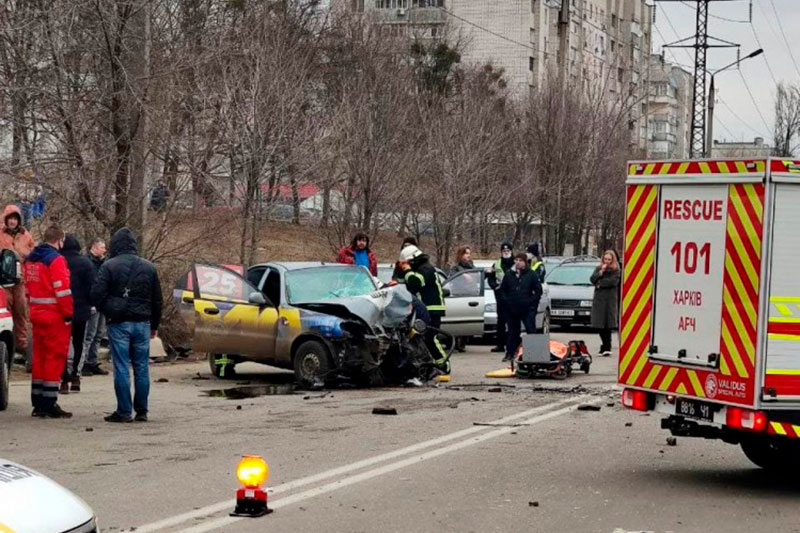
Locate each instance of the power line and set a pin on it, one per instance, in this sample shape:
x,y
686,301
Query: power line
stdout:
x,y
487,30
744,122
755,104
783,33
758,42
717,16
678,35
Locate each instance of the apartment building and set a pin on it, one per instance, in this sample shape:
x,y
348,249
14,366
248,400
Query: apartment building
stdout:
x,y
668,110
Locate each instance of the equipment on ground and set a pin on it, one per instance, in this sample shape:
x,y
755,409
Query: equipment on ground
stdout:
x,y
540,357
251,499
710,315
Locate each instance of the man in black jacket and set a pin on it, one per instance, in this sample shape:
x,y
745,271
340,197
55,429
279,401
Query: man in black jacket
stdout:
x,y
522,290
81,276
96,324
127,291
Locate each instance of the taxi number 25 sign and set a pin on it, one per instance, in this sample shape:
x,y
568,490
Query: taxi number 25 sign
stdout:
x,y
689,274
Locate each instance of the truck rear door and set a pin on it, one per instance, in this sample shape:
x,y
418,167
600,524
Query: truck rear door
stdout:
x,y
692,274
782,376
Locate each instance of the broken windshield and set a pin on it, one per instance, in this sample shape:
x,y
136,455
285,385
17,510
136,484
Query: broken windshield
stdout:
x,y
318,284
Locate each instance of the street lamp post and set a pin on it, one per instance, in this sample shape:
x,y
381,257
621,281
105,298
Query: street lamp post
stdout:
x,y
711,98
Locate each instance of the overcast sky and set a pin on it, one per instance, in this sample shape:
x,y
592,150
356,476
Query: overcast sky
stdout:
x,y
736,116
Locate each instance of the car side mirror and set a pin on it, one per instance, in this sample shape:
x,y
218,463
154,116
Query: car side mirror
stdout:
x,y
10,269
257,298
446,292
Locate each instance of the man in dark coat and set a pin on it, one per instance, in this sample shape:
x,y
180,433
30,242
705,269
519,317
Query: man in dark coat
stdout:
x,y
606,279
81,276
495,276
96,325
128,292
522,290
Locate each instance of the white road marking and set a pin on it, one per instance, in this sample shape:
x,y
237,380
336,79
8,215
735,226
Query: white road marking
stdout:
x,y
346,469
413,460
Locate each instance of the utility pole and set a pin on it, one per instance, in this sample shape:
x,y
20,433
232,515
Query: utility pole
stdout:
x,y
701,46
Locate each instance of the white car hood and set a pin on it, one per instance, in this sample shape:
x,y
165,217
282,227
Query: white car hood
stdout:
x,y
33,503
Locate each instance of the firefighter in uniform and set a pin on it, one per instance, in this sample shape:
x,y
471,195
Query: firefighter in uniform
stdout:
x,y
421,281
47,284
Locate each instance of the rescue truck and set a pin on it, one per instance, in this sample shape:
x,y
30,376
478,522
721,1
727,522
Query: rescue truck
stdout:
x,y
710,312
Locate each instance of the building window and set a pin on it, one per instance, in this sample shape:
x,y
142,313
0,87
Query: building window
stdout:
x,y
530,64
533,36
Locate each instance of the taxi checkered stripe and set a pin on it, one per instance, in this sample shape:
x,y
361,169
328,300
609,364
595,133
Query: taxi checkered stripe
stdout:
x,y
740,290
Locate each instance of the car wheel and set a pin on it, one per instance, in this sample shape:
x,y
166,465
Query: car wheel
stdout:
x,y
222,366
5,371
546,323
312,363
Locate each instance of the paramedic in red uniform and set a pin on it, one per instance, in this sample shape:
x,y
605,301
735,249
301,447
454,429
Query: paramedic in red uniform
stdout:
x,y
47,285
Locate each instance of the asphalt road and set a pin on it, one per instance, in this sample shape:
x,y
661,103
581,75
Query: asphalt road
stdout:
x,y
535,462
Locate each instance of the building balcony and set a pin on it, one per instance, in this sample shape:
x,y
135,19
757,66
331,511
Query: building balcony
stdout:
x,y
412,16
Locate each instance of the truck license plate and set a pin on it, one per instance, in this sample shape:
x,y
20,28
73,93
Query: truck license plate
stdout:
x,y
694,409
562,312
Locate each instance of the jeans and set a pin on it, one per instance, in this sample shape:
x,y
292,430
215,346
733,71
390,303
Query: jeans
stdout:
x,y
515,323
130,346
94,332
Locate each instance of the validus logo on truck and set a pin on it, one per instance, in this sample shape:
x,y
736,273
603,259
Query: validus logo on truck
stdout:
x,y
711,386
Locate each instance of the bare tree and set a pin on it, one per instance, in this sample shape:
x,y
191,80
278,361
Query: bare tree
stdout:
x,y
787,120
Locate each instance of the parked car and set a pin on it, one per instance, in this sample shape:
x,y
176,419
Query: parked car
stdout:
x,y
10,274
385,271
33,503
552,261
571,291
314,318
472,308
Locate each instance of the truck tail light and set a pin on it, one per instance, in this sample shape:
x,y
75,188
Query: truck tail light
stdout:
x,y
636,399
745,419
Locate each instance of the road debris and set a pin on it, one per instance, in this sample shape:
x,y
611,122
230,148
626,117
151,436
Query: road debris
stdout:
x,y
495,389
162,380
89,430
200,376
588,407
672,441
384,411
628,424
533,504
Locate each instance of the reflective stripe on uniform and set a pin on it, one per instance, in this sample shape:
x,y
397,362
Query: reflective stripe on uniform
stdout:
x,y
536,266
57,284
61,294
44,301
418,276
435,307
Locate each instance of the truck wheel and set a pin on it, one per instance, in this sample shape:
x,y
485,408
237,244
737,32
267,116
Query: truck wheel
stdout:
x,y
773,453
222,366
312,363
5,371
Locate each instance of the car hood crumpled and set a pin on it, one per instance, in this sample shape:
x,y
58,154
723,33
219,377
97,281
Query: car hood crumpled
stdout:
x,y
386,307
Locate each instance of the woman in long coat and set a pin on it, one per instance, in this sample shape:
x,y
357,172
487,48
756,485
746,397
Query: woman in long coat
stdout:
x,y
605,305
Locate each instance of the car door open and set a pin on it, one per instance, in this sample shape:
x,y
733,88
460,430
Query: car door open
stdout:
x,y
229,315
